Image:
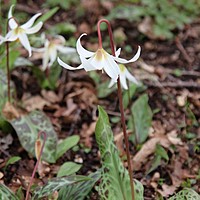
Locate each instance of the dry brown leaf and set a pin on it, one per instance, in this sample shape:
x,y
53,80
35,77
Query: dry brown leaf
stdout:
x,y
172,137
86,133
149,148
35,102
10,111
167,190
50,96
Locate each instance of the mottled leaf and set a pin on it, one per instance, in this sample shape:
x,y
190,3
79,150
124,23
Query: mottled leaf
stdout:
x,y
80,190
6,193
27,128
142,115
186,194
66,144
115,183
4,90
56,184
68,168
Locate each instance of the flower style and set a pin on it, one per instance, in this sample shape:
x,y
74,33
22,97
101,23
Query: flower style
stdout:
x,y
51,48
99,60
124,74
21,32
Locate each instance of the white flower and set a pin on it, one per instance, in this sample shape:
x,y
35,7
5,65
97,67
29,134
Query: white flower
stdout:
x,y
1,39
99,60
20,32
124,74
51,48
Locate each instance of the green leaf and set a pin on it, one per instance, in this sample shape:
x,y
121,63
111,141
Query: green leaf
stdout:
x,y
27,128
129,94
186,193
161,152
6,193
47,15
12,160
103,90
142,115
115,179
155,163
56,184
80,190
13,55
68,168
66,144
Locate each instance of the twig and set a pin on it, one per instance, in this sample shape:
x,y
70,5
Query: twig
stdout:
x,y
178,84
183,51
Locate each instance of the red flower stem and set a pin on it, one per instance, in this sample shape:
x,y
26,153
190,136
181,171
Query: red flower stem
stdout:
x,y
7,65
37,163
120,100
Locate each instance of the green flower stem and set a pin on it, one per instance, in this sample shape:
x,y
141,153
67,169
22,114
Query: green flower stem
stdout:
x,y
120,100
37,163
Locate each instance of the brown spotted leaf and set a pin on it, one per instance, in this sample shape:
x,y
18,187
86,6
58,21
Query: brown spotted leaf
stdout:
x,y
27,128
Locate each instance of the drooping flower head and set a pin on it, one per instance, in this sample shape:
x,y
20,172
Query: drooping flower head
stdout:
x,y
51,48
21,31
99,60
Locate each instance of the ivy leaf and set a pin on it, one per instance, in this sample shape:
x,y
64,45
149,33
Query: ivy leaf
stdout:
x,y
27,128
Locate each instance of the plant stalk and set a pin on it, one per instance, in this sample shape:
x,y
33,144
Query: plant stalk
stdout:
x,y
7,66
37,163
120,101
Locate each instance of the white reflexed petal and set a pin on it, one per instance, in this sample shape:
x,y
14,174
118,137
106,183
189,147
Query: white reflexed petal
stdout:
x,y
45,60
61,38
25,42
34,29
81,51
66,66
1,39
124,61
112,82
111,68
12,23
130,77
123,81
52,55
97,64
11,36
65,49
31,21
87,64
117,53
